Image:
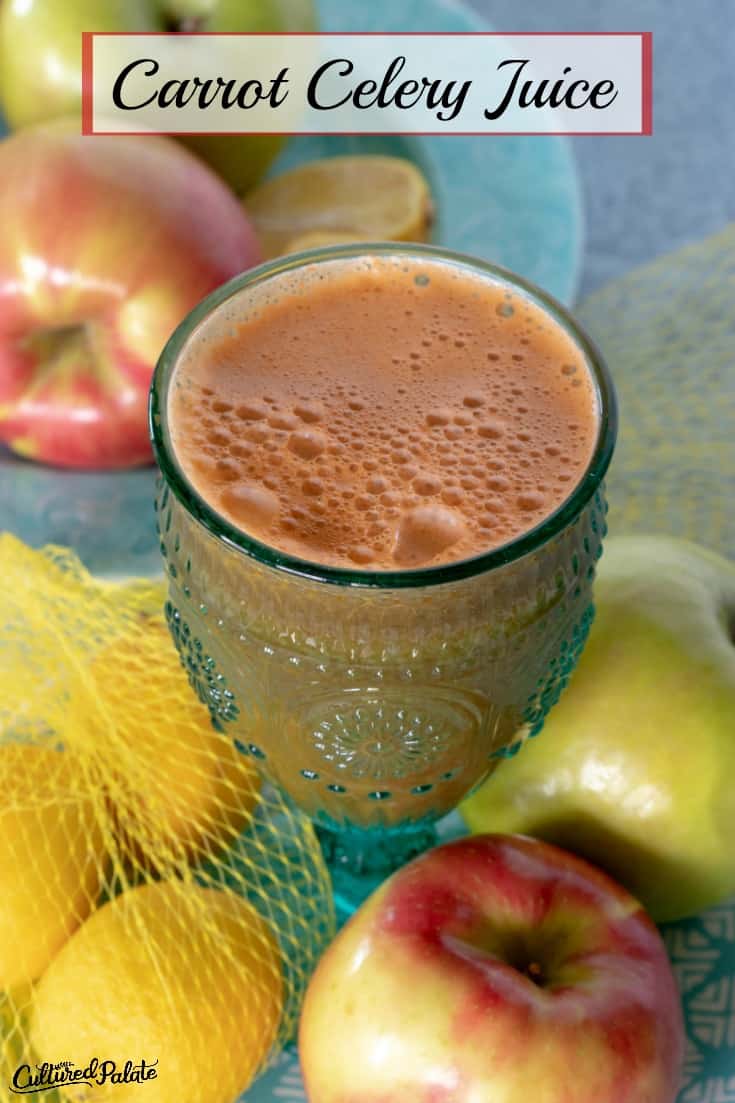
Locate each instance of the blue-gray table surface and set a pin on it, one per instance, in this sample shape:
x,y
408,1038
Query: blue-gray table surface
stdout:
x,y
645,196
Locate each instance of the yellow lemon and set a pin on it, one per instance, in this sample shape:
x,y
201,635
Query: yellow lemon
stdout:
x,y
179,789
183,978
340,199
316,239
51,857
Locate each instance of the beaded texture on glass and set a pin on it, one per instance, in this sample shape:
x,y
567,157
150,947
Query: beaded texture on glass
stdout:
x,y
378,708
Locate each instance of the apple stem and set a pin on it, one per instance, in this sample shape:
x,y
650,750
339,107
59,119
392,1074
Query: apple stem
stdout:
x,y
535,972
189,25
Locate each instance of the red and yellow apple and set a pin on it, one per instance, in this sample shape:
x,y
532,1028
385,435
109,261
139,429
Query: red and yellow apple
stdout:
x,y
105,245
494,968
41,60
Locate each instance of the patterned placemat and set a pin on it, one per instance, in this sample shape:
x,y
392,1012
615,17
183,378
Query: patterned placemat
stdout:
x,y
667,331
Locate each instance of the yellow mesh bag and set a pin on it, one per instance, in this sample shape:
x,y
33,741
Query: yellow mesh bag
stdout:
x,y
159,904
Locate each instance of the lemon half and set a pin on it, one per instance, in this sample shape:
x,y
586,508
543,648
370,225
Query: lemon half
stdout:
x,y
342,199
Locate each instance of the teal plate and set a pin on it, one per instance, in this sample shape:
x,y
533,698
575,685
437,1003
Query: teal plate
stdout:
x,y
511,200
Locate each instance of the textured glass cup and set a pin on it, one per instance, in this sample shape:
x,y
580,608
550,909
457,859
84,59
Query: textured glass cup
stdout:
x,y
377,700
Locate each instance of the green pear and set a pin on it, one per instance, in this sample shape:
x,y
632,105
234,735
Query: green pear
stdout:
x,y
41,60
635,767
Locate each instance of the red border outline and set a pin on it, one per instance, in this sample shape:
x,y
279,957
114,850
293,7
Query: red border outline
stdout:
x,y
647,82
88,82
646,38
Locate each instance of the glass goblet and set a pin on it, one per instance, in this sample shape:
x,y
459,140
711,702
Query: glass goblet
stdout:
x,y
376,699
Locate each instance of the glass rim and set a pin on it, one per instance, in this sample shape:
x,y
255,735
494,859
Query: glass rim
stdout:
x,y
524,544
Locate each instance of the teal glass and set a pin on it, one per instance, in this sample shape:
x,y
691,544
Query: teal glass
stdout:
x,y
376,699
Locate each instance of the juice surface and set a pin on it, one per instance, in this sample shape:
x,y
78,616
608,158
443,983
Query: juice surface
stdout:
x,y
383,413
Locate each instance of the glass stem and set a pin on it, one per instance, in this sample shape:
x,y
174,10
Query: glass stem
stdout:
x,y
359,860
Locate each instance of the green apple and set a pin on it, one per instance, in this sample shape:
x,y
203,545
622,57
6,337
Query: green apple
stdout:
x,y
635,767
41,60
